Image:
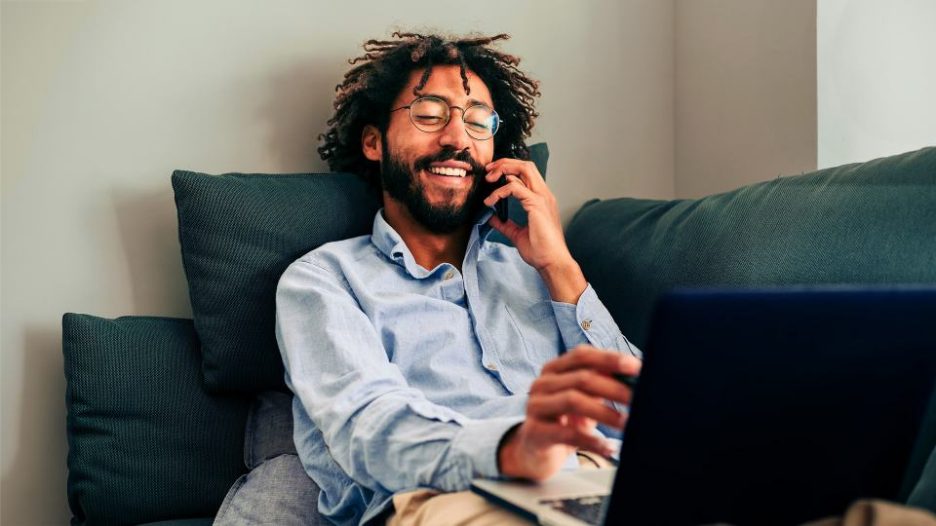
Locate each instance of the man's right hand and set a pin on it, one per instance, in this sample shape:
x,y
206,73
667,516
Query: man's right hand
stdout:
x,y
565,404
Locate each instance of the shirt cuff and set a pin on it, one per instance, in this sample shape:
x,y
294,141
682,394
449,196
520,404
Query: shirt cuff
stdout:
x,y
588,321
478,442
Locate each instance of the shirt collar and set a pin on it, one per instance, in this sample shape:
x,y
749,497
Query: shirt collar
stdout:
x,y
390,244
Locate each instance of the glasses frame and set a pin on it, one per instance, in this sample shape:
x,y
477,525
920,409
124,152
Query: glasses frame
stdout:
x,y
448,119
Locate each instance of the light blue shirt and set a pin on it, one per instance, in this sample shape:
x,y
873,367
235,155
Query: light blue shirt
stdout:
x,y
406,377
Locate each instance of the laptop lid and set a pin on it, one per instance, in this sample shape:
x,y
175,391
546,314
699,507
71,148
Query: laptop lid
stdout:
x,y
775,406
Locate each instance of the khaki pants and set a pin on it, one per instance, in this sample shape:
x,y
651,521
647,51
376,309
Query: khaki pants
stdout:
x,y
464,508
427,507
879,513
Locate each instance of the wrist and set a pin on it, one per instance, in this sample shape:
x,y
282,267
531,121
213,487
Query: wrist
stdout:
x,y
565,280
507,453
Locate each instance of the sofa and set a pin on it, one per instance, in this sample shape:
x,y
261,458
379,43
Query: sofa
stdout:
x,y
171,421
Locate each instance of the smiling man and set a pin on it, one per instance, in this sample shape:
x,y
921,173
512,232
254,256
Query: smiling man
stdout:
x,y
424,355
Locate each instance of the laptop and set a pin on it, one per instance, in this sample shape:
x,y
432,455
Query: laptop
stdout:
x,y
774,406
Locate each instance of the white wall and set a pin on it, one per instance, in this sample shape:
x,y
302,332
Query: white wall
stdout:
x,y
877,80
101,100
745,92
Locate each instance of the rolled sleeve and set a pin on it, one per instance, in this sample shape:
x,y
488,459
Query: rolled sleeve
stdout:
x,y
478,442
589,322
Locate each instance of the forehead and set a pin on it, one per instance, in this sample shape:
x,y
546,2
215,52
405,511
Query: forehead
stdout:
x,y
445,81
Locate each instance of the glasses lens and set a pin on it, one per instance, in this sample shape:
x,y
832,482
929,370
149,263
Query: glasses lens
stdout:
x,y
429,114
481,122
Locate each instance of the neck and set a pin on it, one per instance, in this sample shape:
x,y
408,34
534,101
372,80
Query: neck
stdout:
x,y
430,249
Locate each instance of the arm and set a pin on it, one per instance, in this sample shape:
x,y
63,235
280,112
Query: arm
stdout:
x,y
382,432
581,316
568,399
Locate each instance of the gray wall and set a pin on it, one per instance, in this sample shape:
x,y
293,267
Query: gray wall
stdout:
x,y
101,100
745,92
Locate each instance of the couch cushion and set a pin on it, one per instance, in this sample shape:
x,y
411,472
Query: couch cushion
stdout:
x,y
278,491
146,442
873,222
239,232
269,431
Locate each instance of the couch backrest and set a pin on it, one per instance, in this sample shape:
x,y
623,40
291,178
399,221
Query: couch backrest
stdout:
x,y
873,222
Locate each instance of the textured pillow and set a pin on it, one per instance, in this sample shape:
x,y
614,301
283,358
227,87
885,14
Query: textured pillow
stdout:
x,y
277,489
239,232
861,223
269,430
146,443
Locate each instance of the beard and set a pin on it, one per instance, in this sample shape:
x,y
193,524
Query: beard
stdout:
x,y
403,184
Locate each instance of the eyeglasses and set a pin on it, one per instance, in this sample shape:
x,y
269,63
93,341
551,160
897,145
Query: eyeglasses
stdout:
x,y
431,114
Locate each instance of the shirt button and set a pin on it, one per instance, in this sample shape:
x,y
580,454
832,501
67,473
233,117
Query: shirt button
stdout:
x,y
490,366
449,275
586,324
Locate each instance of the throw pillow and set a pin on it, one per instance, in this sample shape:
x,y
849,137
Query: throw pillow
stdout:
x,y
146,442
277,489
269,430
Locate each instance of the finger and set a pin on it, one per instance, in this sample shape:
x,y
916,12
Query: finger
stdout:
x,y
588,357
513,188
570,402
580,439
586,381
529,179
525,170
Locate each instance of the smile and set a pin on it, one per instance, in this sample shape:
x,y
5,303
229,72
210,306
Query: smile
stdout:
x,y
447,171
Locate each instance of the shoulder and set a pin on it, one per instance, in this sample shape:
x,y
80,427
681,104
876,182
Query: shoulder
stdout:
x,y
331,260
334,255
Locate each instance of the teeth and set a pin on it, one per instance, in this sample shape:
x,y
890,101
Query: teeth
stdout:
x,y
452,172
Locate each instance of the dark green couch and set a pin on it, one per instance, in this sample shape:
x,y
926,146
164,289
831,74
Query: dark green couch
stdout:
x,y
157,406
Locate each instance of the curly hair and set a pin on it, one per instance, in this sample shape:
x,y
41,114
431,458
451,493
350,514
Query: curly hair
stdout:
x,y
369,88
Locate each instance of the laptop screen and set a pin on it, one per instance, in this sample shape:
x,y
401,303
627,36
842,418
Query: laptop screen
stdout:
x,y
776,406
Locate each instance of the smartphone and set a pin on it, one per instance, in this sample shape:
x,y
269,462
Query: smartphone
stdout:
x,y
500,207
626,379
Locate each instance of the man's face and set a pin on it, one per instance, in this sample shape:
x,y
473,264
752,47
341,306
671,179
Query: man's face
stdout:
x,y
437,175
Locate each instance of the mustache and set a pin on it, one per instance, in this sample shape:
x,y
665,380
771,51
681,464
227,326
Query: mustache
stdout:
x,y
450,154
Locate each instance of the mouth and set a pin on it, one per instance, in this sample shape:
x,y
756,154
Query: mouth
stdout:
x,y
448,171
449,165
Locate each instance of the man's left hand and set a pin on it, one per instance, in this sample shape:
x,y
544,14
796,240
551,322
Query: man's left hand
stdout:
x,y
541,242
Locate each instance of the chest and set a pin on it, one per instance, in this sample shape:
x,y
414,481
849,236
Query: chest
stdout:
x,y
489,327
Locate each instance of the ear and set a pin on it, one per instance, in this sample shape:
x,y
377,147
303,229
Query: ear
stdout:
x,y
371,145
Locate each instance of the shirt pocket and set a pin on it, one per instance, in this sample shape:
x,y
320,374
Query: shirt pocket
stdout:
x,y
536,324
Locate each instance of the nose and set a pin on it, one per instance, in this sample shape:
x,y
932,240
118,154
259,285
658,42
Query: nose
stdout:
x,y
454,133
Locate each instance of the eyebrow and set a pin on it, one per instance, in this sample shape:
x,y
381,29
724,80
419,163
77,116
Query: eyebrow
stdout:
x,y
471,102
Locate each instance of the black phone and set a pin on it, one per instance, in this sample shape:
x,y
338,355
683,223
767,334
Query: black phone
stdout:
x,y
501,209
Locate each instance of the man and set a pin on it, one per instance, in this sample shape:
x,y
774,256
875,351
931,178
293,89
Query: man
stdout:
x,y
423,355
